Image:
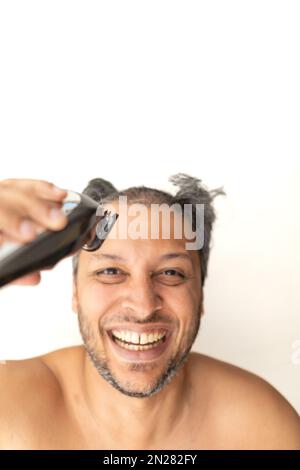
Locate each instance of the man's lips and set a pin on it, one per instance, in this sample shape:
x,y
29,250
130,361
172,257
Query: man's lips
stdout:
x,y
139,334
145,345
140,328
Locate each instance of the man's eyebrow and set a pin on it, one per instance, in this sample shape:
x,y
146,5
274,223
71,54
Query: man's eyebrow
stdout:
x,y
99,256
179,254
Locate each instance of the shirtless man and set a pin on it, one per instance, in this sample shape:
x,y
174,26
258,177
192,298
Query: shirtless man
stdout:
x,y
115,393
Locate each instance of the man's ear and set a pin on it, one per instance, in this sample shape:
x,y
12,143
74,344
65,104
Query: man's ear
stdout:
x,y
74,296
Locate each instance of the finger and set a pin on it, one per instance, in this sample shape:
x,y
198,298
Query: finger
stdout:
x,y
5,237
45,190
17,204
41,188
29,280
10,226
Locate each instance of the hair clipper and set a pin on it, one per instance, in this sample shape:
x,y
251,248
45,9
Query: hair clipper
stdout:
x,y
85,229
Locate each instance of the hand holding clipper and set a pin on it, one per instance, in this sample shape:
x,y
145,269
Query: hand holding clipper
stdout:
x,y
41,224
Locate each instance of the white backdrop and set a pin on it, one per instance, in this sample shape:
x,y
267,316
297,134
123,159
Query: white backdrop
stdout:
x,y
136,91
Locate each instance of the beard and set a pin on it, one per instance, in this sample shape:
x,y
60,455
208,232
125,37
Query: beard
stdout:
x,y
127,387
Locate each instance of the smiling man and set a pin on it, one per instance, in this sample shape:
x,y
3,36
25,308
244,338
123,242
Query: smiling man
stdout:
x,y
135,384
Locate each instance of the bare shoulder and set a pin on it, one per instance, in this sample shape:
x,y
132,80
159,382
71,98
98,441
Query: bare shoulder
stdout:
x,y
246,409
30,393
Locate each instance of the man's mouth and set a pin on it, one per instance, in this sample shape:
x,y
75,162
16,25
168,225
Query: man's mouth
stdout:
x,y
139,345
138,341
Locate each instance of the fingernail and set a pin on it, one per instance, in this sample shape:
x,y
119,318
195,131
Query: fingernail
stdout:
x,y
57,190
27,229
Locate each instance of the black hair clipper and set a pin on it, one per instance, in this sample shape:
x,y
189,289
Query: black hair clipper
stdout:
x,y
88,226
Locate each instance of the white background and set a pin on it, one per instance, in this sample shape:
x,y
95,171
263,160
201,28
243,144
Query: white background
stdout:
x,y
135,91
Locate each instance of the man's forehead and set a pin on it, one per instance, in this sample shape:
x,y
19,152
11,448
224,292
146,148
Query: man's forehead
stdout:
x,y
147,221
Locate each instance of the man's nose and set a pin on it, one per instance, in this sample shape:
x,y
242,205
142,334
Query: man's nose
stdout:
x,y
141,297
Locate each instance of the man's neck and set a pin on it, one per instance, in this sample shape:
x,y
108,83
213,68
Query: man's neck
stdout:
x,y
144,421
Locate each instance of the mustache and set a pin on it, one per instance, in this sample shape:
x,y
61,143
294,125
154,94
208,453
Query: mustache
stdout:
x,y
155,317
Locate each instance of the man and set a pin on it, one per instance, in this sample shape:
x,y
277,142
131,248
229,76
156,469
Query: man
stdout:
x,y
135,384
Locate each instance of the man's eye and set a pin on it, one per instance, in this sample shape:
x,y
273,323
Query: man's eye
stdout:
x,y
109,272
173,272
110,276
171,277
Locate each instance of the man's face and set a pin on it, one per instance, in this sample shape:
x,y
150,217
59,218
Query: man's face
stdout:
x,y
139,303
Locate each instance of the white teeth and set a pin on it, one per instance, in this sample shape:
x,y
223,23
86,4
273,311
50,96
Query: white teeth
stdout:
x,y
151,338
134,347
117,334
127,337
143,339
133,337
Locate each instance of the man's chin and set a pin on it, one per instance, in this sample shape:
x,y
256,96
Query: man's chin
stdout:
x,y
138,379
135,391
135,379
136,388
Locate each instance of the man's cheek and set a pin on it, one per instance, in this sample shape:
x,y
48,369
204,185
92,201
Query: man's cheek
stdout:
x,y
92,299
